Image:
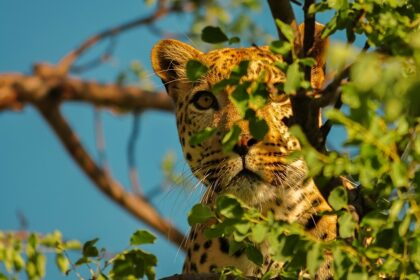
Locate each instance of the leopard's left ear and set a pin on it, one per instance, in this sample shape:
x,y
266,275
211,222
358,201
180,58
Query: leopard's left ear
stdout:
x,y
169,58
318,52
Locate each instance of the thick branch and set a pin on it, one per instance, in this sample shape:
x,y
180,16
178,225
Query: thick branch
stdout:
x,y
136,205
308,34
16,90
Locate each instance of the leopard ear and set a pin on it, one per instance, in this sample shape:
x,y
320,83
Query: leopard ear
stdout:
x,y
169,58
318,52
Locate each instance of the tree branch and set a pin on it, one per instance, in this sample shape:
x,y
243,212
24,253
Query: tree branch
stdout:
x,y
308,34
16,90
282,10
138,206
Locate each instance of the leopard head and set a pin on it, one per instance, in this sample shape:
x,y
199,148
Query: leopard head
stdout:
x,y
254,170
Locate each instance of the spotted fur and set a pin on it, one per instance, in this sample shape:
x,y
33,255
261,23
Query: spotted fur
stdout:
x,y
255,171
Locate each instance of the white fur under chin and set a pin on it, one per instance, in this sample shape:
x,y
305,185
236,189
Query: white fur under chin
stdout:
x,y
254,192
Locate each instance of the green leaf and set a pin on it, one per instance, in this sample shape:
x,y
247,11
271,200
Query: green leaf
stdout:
x,y
254,255
242,227
234,40
142,237
374,219
286,30
195,70
229,207
293,78
399,174
259,98
346,225
239,70
357,275
258,127
307,61
202,136
314,258
214,231
338,198
133,264
240,98
89,249
259,232
281,47
81,261
403,228
235,247
213,35
231,138
62,263
220,86
337,4
40,263
18,261
200,213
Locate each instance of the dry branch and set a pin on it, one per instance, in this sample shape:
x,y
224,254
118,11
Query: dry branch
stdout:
x,y
17,90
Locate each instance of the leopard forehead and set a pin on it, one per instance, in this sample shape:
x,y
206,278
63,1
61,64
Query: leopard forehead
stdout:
x,y
222,62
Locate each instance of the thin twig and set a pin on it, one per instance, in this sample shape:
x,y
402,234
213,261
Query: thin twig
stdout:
x,y
131,155
100,140
66,63
23,221
330,94
104,57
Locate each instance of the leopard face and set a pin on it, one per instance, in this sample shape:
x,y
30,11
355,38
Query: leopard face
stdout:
x,y
255,170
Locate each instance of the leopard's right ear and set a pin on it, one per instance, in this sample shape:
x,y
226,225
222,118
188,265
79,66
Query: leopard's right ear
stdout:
x,y
169,58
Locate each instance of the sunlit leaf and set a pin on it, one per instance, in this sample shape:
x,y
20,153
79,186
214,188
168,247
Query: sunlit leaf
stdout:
x,y
142,237
231,138
195,70
200,213
346,225
338,198
286,30
202,136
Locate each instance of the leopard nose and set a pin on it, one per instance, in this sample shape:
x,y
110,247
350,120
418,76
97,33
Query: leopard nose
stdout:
x,y
243,145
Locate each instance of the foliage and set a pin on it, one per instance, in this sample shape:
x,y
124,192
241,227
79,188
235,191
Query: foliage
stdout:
x,y
381,118
18,254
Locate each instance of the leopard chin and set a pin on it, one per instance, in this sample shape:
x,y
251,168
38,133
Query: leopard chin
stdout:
x,y
251,188
257,187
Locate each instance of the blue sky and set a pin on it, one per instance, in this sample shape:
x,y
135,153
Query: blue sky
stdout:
x,y
37,177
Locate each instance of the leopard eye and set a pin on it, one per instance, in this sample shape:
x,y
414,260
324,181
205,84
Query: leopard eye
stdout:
x,y
204,100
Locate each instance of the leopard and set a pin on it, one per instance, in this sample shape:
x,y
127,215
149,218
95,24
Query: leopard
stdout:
x,y
254,170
